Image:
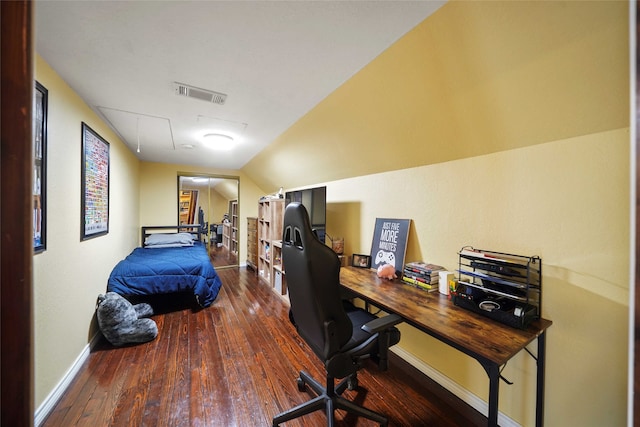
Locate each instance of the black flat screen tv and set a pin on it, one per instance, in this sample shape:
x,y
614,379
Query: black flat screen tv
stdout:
x,y
315,200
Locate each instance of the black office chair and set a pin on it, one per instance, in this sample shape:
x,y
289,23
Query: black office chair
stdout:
x,y
341,335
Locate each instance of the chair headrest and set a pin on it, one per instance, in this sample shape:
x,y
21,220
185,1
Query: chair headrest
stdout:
x,y
297,229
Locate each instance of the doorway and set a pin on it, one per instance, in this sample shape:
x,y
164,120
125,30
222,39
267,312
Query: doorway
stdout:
x,y
212,201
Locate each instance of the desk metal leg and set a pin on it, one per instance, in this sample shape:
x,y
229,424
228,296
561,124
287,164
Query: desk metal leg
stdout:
x,y
494,386
540,379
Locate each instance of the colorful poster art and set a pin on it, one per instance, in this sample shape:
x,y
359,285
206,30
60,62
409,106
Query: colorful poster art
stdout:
x,y
40,168
95,184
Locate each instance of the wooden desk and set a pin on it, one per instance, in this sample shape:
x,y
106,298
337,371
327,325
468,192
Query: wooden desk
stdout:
x,y
491,343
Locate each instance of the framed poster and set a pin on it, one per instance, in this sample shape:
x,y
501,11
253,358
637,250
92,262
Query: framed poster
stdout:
x,y
40,101
95,184
389,242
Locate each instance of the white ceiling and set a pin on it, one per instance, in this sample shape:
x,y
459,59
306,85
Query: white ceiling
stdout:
x,y
275,60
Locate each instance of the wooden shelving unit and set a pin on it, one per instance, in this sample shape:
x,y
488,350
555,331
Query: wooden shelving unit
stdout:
x,y
270,216
233,233
226,235
252,243
277,269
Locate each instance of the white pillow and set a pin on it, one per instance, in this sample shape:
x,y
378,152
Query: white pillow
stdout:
x,y
169,239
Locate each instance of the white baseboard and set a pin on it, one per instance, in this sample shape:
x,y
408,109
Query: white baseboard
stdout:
x,y
463,394
50,401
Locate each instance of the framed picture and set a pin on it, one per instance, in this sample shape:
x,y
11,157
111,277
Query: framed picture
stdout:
x,y
362,261
389,242
40,101
95,184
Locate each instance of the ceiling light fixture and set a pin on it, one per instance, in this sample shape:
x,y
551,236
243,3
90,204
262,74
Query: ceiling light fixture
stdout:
x,y
218,141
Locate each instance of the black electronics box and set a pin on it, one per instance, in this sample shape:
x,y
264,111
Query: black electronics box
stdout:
x,y
504,287
511,313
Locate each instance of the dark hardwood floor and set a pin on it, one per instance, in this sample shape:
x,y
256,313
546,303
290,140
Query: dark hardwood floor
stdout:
x,y
235,364
221,257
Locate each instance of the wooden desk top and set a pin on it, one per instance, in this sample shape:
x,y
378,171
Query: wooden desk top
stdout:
x,y
433,313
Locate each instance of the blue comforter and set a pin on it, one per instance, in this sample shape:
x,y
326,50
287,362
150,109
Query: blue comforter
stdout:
x,y
164,270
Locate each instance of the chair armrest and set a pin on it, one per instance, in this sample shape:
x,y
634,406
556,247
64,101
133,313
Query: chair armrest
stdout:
x,y
381,323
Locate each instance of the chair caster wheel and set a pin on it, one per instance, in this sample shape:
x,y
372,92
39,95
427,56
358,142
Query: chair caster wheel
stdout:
x,y
352,383
301,384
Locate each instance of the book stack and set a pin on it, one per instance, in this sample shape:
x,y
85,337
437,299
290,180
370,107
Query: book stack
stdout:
x,y
422,275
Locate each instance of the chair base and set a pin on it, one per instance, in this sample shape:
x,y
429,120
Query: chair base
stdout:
x,y
329,398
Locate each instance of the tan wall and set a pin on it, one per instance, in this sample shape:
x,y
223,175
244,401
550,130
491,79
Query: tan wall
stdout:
x,y
70,274
159,189
474,78
219,207
492,95
502,125
551,204
213,203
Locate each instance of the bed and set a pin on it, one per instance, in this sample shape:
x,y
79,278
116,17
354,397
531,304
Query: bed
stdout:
x,y
172,259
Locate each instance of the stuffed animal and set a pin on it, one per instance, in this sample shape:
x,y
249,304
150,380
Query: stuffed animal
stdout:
x,y
387,271
122,322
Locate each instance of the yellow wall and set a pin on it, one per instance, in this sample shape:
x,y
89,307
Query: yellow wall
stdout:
x,y
526,99
551,204
70,274
502,125
159,189
474,78
213,203
204,199
219,207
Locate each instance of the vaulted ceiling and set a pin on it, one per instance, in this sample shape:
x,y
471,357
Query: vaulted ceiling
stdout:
x,y
266,64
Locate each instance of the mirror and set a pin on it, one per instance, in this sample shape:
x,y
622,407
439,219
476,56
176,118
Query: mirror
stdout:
x,y
212,201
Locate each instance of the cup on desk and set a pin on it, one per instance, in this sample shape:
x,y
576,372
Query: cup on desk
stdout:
x,y
443,281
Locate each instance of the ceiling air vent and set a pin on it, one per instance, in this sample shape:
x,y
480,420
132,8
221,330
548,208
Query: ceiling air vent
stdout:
x,y
202,94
